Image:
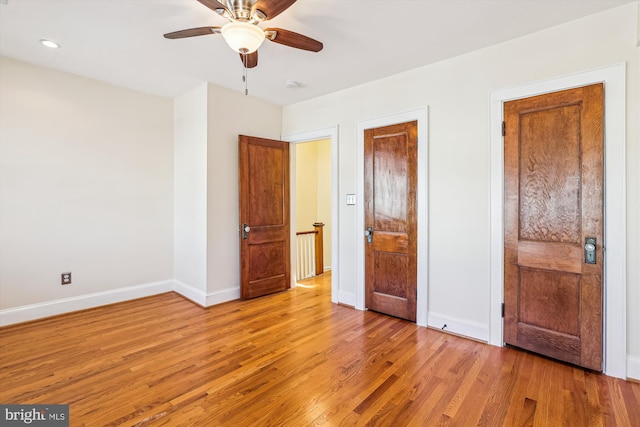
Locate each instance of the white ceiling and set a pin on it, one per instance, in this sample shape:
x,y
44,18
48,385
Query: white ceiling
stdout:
x,y
120,41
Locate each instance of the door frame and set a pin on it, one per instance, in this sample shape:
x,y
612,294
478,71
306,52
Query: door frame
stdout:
x,y
421,115
614,278
298,138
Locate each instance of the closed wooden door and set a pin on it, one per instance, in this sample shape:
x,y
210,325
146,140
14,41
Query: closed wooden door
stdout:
x,y
264,216
553,159
390,167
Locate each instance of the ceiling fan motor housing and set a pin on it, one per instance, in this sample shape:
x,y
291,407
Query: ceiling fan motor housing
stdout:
x,y
243,10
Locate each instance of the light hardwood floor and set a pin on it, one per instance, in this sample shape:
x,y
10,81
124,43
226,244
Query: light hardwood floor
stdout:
x,y
290,359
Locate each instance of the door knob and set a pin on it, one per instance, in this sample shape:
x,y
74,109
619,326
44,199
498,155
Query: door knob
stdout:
x,y
245,231
590,250
369,233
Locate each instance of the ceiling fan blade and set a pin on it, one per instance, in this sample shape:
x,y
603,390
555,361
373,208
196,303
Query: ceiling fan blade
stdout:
x,y
273,8
213,4
289,38
251,59
191,32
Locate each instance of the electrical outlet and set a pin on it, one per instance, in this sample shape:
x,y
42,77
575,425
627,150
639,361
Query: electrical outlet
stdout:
x,y
66,278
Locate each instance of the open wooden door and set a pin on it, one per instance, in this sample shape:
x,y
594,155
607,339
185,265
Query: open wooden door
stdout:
x,y
390,187
264,216
553,249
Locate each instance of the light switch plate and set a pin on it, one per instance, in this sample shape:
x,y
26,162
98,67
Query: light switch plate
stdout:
x,y
351,199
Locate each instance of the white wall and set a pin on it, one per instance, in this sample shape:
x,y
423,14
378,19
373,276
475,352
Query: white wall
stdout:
x,y
457,92
230,113
89,173
190,187
85,186
207,121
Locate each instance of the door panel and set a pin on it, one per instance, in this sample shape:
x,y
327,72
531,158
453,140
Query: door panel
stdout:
x,y
537,296
264,208
553,202
390,211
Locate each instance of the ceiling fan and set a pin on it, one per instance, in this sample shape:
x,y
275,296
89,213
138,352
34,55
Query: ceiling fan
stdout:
x,y
242,32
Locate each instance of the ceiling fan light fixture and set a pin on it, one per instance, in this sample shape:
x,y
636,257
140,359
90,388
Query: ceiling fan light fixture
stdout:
x,y
242,36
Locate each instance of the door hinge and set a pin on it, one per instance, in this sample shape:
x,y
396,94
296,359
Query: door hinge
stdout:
x,y
502,309
504,128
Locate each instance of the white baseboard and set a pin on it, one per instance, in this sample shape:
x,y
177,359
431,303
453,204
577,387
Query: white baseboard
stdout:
x,y
633,367
25,313
475,330
190,293
29,312
224,295
205,299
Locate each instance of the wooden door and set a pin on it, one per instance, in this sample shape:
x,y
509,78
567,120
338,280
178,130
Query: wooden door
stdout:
x,y
390,182
553,155
264,216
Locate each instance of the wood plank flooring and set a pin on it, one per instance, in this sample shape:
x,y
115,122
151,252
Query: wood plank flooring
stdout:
x,y
290,359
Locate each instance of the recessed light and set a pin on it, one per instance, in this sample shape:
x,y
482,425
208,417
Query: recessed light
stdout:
x,y
49,43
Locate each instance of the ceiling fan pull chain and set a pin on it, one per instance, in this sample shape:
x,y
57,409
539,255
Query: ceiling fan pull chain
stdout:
x,y
245,73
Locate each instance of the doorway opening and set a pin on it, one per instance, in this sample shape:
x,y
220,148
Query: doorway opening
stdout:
x,y
311,196
330,240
